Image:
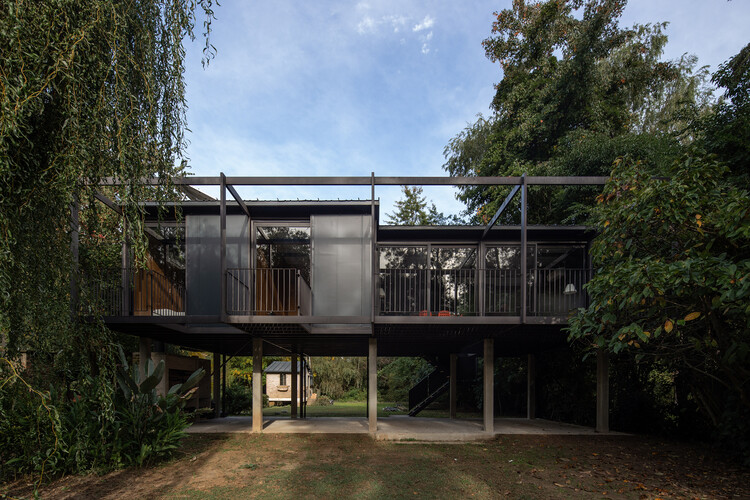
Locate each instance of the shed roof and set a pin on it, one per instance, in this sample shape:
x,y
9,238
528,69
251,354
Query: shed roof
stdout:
x,y
283,367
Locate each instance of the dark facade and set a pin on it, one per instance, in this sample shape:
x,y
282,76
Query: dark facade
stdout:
x,y
315,278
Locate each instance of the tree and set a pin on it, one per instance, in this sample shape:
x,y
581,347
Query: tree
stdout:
x,y
672,277
672,260
726,131
88,90
571,78
412,210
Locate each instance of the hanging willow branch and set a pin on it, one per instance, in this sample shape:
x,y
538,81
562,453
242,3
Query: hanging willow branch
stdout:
x,y
87,90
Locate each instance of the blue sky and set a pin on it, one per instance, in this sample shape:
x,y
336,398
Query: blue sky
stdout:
x,y
346,88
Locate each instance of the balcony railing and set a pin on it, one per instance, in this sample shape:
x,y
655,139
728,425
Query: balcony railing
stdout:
x,y
483,292
402,292
133,292
264,291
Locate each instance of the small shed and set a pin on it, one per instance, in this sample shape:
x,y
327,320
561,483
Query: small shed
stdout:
x,y
279,382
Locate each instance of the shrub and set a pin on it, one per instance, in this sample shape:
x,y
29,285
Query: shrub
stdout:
x,y
238,399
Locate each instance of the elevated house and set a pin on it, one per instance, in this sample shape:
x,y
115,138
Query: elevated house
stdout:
x,y
312,278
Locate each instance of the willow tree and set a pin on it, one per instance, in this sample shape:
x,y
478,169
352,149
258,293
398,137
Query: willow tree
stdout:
x,y
88,90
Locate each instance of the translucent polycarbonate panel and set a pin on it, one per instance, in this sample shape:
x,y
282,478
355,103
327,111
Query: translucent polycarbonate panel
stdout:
x,y
341,265
203,258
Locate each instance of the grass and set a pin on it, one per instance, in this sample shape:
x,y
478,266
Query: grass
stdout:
x,y
355,466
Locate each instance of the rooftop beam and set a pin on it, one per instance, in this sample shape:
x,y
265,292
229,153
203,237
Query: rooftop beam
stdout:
x,y
238,199
379,181
500,210
111,204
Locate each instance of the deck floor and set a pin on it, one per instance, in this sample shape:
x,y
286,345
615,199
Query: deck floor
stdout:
x,y
394,428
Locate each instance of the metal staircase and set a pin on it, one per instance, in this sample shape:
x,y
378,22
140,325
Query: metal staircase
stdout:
x,y
428,390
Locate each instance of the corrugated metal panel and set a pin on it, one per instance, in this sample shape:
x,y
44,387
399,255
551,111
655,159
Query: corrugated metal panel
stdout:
x,y
203,258
341,265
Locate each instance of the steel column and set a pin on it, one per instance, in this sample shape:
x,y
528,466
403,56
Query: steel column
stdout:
x,y
453,385
223,256
531,387
74,237
257,384
602,391
295,391
372,385
217,384
488,402
524,246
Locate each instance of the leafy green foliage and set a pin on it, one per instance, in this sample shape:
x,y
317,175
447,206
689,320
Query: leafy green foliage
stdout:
x,y
398,375
52,432
335,376
89,91
573,80
725,132
672,275
238,398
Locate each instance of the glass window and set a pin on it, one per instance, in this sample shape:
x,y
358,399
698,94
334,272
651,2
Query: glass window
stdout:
x,y
559,257
403,257
509,257
453,258
283,247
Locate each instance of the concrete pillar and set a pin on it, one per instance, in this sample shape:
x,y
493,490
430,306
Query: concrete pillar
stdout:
x,y
257,384
453,385
372,385
223,384
602,391
488,402
217,384
531,387
295,391
303,384
144,354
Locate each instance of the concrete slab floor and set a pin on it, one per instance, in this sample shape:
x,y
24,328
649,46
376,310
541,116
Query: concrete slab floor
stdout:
x,y
394,428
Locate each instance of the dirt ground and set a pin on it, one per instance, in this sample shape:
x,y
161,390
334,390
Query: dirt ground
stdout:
x,y
355,466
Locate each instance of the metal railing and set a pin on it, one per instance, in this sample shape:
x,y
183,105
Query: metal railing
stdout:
x,y
502,292
555,292
133,292
267,291
460,292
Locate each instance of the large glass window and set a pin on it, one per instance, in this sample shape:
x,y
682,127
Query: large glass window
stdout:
x,y
283,247
403,280
502,279
160,289
559,277
453,280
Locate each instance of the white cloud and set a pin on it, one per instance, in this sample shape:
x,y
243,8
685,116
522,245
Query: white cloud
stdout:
x,y
426,24
366,25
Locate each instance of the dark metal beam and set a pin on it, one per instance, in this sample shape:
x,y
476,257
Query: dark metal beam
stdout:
x,y
237,198
223,249
500,210
194,194
111,204
524,246
379,181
